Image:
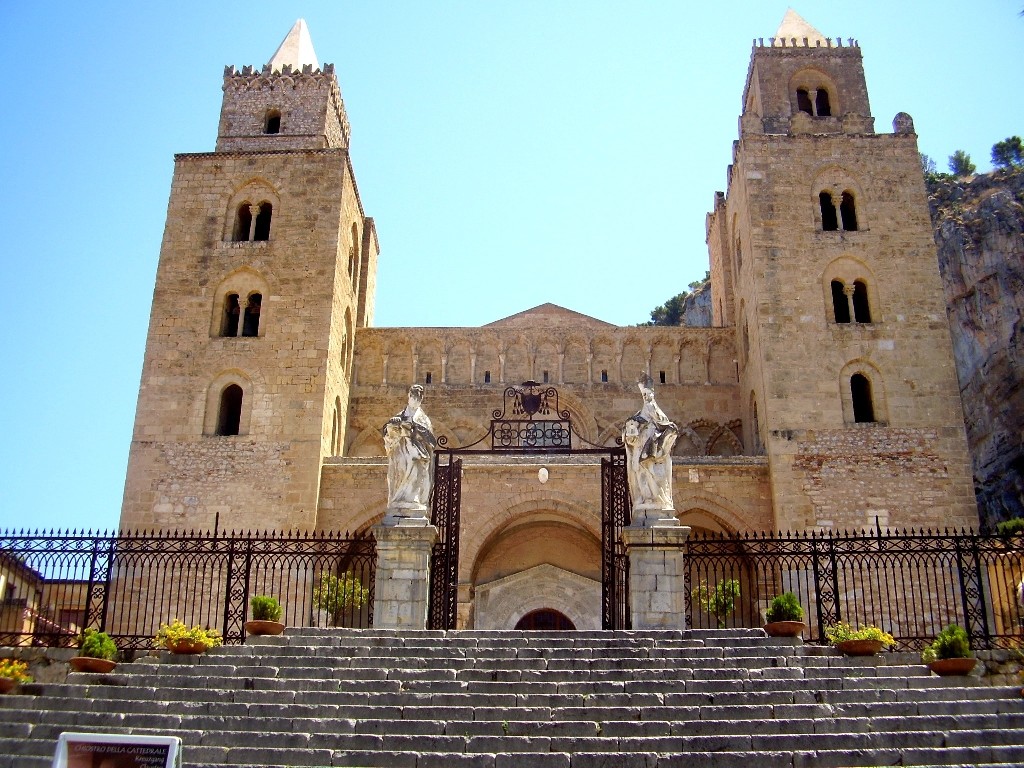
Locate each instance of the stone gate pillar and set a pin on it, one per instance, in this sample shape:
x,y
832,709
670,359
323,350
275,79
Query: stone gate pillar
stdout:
x,y
402,584
657,575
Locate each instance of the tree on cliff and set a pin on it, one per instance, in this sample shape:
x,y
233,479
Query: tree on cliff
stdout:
x,y
960,164
672,311
1008,153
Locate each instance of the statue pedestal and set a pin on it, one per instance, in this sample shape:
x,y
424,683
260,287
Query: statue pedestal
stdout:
x,y
402,583
657,575
407,515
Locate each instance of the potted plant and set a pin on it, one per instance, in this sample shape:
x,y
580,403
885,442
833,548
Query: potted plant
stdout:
x,y
720,601
950,652
179,638
266,614
12,673
785,616
862,641
337,594
96,652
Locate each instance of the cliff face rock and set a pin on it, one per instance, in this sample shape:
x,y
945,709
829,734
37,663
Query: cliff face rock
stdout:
x,y
697,307
979,231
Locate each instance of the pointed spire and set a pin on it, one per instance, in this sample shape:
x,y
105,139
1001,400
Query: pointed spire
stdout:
x,y
295,50
794,26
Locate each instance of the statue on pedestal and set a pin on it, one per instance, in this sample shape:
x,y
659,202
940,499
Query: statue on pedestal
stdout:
x,y
409,442
648,436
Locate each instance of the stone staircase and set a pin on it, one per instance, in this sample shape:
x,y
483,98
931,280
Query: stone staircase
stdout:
x,y
512,700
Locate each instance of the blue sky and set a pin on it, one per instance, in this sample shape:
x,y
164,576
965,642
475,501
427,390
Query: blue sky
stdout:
x,y
511,154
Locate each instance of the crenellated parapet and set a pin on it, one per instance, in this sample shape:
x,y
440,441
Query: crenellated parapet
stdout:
x,y
282,108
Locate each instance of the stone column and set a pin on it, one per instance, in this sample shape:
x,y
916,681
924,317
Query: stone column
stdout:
x,y
402,584
657,575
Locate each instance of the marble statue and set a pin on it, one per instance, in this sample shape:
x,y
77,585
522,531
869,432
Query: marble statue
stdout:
x,y
409,442
648,436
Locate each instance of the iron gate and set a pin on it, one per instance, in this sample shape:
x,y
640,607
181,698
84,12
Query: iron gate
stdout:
x,y
531,422
615,513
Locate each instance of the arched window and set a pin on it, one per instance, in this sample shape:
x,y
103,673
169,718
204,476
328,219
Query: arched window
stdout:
x,y
243,223
829,220
262,229
229,415
861,310
803,101
272,123
821,104
860,390
251,321
840,304
848,212
229,326
336,428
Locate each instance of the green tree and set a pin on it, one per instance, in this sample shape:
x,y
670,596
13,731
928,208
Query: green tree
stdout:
x,y
671,312
720,600
960,164
927,165
1008,153
336,594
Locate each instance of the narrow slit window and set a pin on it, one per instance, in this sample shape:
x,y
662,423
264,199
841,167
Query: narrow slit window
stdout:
x,y
821,103
262,229
848,211
840,306
604,375
861,310
545,377
661,376
231,312
829,220
803,101
229,416
243,224
429,379
251,320
863,408
272,124
487,377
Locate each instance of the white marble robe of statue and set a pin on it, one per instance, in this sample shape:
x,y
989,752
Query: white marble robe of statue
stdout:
x,y
409,442
649,436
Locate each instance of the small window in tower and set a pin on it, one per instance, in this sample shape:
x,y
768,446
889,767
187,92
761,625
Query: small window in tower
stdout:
x,y
661,376
262,229
821,104
487,377
861,310
840,306
429,378
272,124
251,320
829,220
230,414
231,312
860,389
243,224
848,211
803,101
604,375
545,377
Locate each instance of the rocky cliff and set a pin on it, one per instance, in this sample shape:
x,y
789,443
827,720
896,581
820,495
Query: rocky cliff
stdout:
x,y
979,231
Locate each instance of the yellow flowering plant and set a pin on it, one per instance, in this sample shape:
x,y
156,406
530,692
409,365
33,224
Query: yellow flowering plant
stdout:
x,y
841,631
177,631
15,670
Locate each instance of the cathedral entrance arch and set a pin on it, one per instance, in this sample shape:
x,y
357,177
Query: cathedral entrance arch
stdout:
x,y
531,423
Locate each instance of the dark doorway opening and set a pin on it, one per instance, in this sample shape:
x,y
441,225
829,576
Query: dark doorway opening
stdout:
x,y
545,619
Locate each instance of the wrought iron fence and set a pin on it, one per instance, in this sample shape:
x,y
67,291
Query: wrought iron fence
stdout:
x,y
911,584
56,584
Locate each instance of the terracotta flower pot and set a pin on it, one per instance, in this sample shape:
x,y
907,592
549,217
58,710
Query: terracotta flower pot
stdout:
x,y
186,646
947,667
859,647
91,664
264,627
785,628
7,684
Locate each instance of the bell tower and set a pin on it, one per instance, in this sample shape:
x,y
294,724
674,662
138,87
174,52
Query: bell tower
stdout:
x,y
823,259
267,267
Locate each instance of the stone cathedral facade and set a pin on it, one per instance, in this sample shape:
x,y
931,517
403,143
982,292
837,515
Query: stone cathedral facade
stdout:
x,y
824,396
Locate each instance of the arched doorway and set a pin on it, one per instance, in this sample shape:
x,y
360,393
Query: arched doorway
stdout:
x,y
545,619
